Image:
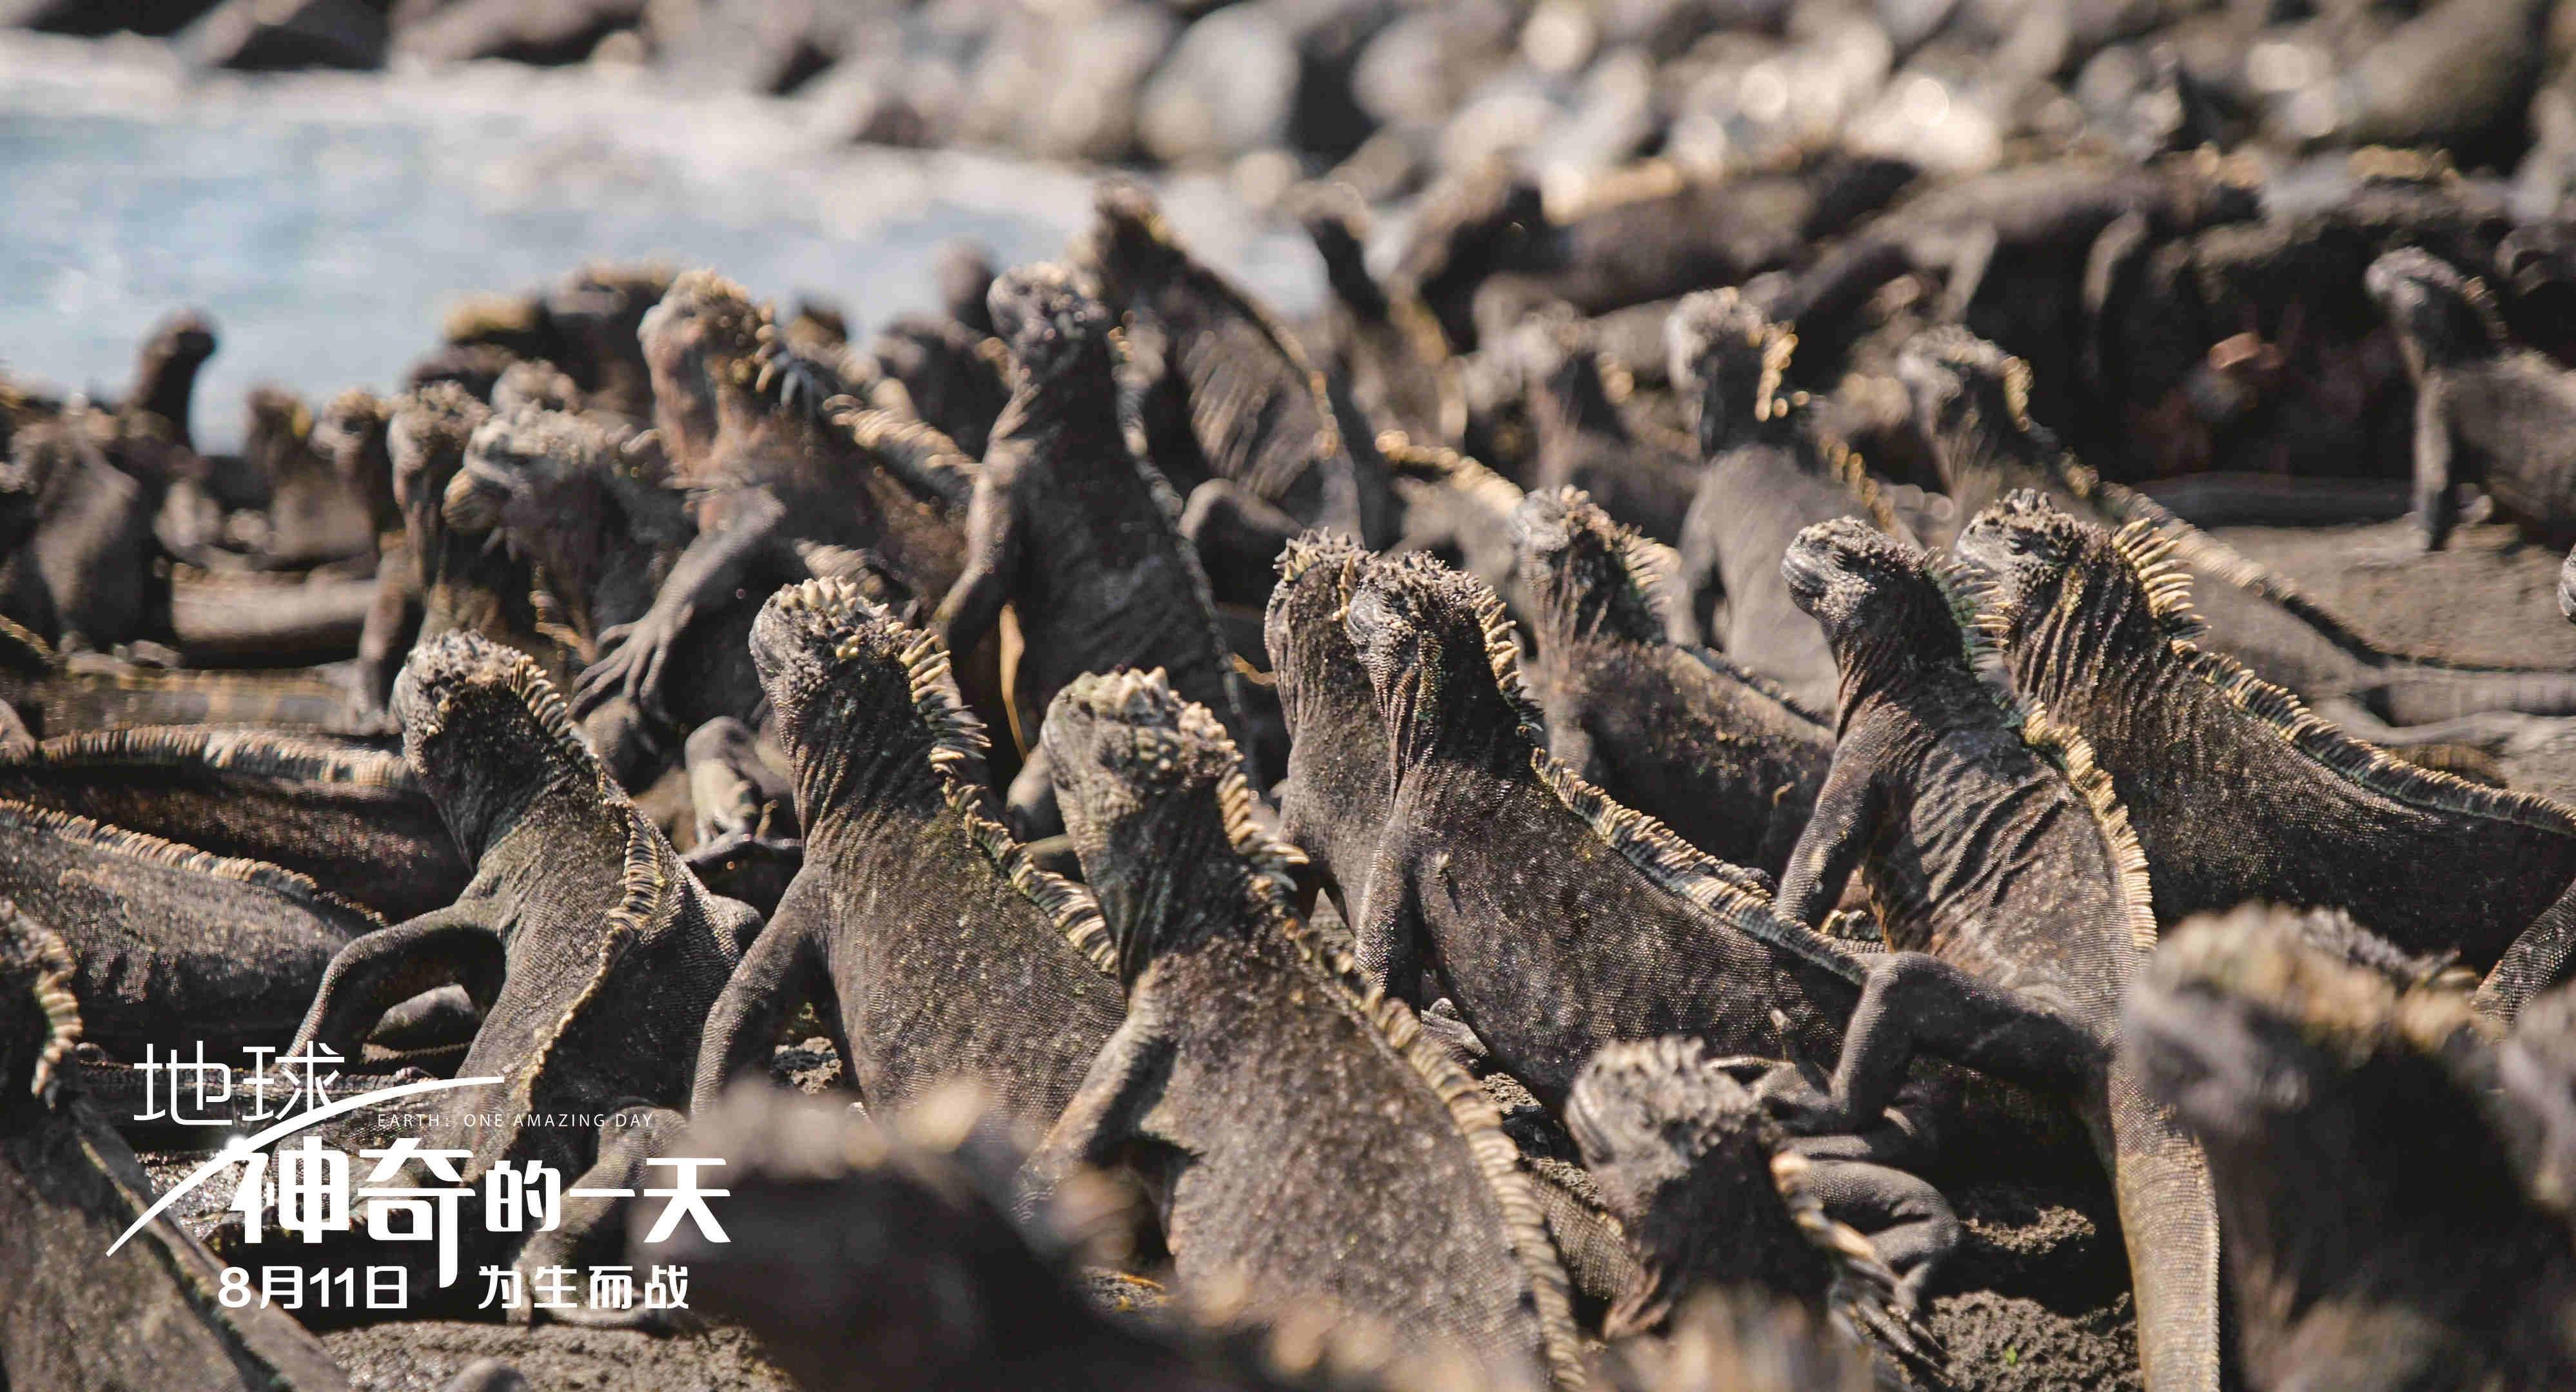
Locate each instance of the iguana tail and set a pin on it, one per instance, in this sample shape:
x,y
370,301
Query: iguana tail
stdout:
x,y
2424,695
2169,1211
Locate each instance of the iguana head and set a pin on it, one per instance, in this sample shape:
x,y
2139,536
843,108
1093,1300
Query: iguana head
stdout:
x,y
1729,364
1130,247
2440,315
887,1244
350,431
1964,388
2044,567
185,339
39,1019
1053,328
533,476
2260,1035
487,732
856,690
1443,662
531,385
1683,1154
1336,221
426,437
700,342
1155,801
1583,573
597,313
1880,601
1487,219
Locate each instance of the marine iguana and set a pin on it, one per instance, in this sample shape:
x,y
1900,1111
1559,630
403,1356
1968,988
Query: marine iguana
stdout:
x,y
1303,1135
466,584
2486,412
1223,394
929,1283
58,693
1075,533
759,436
919,930
1384,344
593,315
339,812
2002,869
87,576
1585,441
1712,1195
2237,790
2357,1157
172,945
592,951
165,373
73,1313
1973,399
1724,758
1557,920
1768,476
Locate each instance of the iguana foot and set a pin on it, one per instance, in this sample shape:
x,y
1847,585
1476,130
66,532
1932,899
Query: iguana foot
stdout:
x,y
634,659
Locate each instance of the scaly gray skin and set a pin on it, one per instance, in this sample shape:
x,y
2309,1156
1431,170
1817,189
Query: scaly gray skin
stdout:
x,y
592,951
775,456
1768,476
175,945
883,1254
2237,791
2379,1233
1712,1197
592,316
341,813
1557,920
1585,441
2486,412
749,844
2003,871
73,1315
1225,395
1973,401
1458,510
1721,756
920,931
1303,1135
1075,533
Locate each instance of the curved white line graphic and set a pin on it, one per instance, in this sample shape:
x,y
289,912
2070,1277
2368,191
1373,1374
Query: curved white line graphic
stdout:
x,y
241,1149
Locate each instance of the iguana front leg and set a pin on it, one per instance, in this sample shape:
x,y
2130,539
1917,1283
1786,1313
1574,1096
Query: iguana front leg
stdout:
x,y
635,656
1912,1227
2437,499
1915,1002
588,1229
382,969
1106,1112
1848,809
780,971
974,604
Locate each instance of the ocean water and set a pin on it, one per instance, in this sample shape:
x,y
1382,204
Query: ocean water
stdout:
x,y
326,221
